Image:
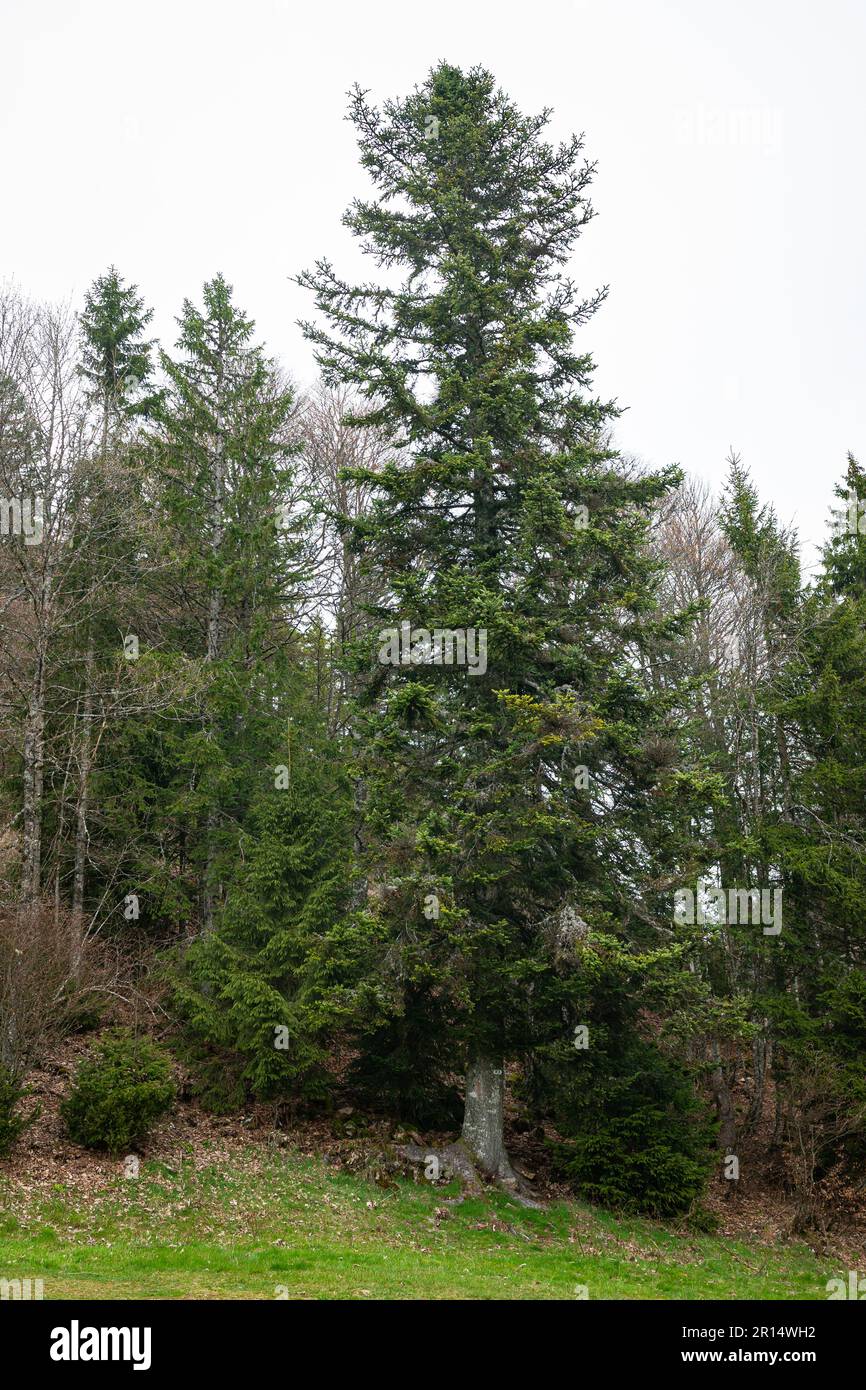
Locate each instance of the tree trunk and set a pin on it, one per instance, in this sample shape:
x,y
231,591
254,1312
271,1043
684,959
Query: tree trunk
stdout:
x,y
34,741
724,1102
762,1052
86,746
483,1117
214,636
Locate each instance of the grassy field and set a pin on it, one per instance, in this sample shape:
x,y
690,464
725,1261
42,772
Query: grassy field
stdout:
x,y
285,1226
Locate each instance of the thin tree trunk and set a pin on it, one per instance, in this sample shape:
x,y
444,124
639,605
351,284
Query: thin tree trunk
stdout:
x,y
724,1103
34,755
85,763
214,642
762,1050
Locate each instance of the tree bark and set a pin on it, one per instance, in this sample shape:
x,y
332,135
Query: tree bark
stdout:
x,y
34,741
724,1102
83,801
483,1117
214,630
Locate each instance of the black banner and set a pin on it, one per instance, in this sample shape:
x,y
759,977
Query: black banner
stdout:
x,y
145,1338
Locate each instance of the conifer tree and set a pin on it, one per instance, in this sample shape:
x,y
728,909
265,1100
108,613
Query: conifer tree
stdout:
x,y
116,358
497,798
223,555
819,1006
265,992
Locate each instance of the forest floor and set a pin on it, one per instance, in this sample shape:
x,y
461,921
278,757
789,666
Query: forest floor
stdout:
x,y
232,1207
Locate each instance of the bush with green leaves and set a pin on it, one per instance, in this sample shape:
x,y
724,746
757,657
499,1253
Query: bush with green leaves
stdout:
x,y
12,1122
118,1092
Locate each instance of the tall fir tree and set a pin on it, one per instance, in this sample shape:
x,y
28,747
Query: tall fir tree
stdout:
x,y
115,356
819,838
217,627
504,806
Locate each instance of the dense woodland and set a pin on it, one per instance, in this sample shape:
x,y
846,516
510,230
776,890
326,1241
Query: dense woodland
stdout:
x,y
452,896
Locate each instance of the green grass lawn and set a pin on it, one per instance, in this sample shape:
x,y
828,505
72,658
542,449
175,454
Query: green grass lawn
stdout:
x,y
287,1226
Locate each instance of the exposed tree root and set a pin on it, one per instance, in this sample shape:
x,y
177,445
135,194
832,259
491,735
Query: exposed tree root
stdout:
x,y
457,1161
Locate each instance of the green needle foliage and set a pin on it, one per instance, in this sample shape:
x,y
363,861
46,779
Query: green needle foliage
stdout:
x,y
492,857
116,358
389,721
118,1092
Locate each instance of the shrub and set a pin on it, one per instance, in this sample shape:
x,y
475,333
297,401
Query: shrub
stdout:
x,y
822,1102
635,1136
282,955
11,1122
54,979
647,1161
118,1092
632,1133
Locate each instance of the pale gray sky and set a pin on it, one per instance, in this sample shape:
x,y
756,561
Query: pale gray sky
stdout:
x,y
180,137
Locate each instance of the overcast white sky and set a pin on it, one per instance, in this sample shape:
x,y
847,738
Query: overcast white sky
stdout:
x,y
176,138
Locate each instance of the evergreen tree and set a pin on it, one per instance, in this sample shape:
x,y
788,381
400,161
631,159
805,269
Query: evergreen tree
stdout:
x,y
265,992
755,756
216,613
115,357
497,799
820,1006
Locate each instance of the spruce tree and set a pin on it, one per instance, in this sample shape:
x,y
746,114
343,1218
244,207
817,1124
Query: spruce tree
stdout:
x,y
503,806
115,356
223,573
820,841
